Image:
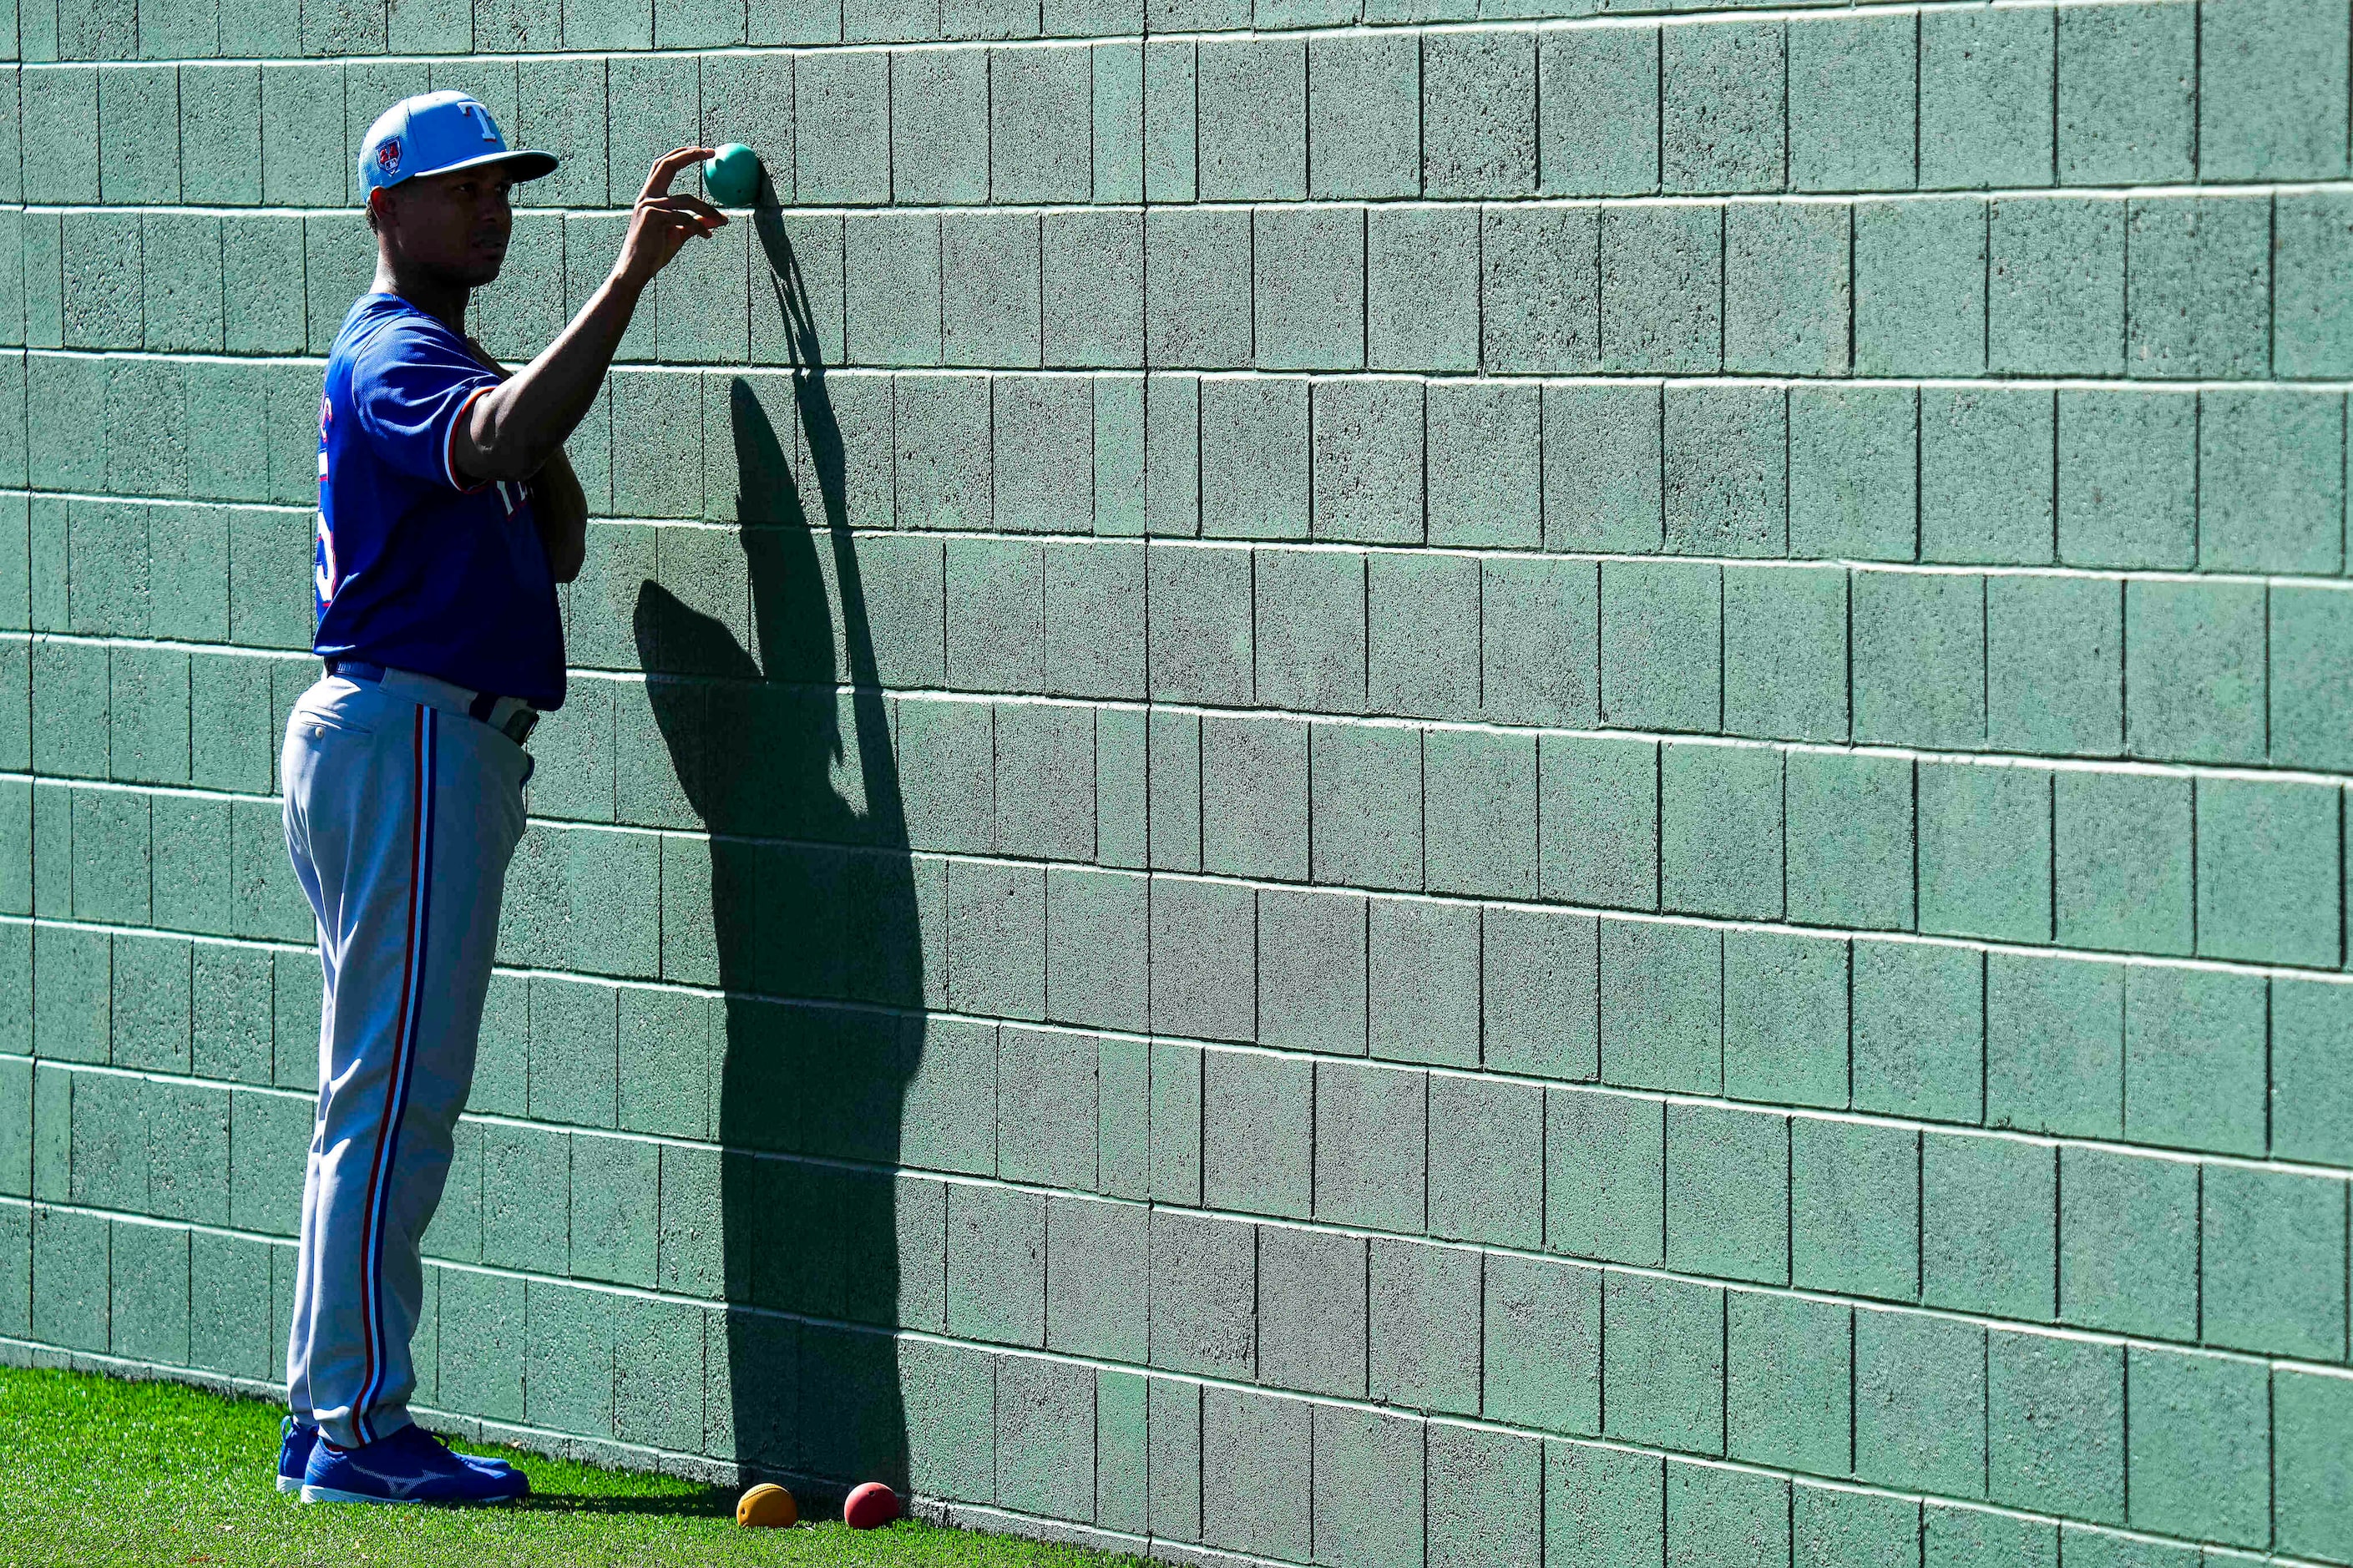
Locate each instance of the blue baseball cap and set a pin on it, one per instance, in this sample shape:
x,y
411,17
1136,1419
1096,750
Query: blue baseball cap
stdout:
x,y
434,133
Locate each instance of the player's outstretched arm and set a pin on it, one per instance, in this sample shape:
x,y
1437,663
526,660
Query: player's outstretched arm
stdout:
x,y
510,431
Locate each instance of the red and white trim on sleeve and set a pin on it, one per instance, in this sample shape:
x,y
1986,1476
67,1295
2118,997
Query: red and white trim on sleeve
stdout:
x,y
450,446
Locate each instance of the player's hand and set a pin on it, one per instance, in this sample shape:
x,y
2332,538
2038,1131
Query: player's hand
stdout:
x,y
663,222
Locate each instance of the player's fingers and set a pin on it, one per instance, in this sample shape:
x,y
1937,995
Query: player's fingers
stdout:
x,y
687,209
668,167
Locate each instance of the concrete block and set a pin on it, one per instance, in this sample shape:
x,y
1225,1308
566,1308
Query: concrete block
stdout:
x,y
1170,112
1311,1333
945,473
1727,1179
2194,670
2198,286
2056,298
1173,791
841,144
1097,933
1093,288
1173,1487
1599,96
1203,939
1193,317
1485,1497
1720,830
1984,850
71,1250
1422,966
1253,119
2122,843
2269,498
1046,1438
1311,971
1834,1524
1788,296
1966,1535
2266,856
1988,1225
1986,100
1254,801
1611,1503
1424,1306
1786,1023
1660,644
1919,287
1423,640
1170,468
1917,658
1120,455
1203,1284
1478,114
1254,457
2198,1456
1919,1401
1310,632
1488,844
1987,481
1603,476
1047,1098
1788,1374
2126,468
1199,625
60,124
102,280
1663,1361
1118,115
1486,1162
2056,666
1544,308
1854,89
1919,1030
2311,1461
1422,288
1257,1468
1041,125
1371,1124
892,296
1727,470
2309,1081
1604,1197
1784,672
1174,1130
1481,456
1369,1489
1364,116
1600,807
1854,472
2128,97
1538,990
1369,463
1539,636
2272,1262
1044,467
2307,673
1308,283
996,1265
138,115
1258,1133
1854,1203
1542,1344
1663,289
2271,93
1723,120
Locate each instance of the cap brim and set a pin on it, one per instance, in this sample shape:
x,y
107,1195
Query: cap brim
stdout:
x,y
524,165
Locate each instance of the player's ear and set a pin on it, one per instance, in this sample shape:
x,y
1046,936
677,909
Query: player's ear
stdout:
x,y
379,209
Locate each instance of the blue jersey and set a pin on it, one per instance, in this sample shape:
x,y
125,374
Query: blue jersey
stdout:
x,y
416,570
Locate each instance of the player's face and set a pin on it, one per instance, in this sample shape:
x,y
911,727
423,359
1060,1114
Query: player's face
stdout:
x,y
458,223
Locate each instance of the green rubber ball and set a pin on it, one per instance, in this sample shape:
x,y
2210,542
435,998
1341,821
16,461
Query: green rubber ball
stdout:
x,y
732,176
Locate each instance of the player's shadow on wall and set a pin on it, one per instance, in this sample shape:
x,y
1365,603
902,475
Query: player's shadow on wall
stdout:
x,y
814,917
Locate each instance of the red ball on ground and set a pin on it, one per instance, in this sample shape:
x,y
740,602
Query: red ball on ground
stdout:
x,y
870,1505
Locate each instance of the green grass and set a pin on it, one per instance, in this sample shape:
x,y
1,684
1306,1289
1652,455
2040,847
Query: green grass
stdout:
x,y
93,1470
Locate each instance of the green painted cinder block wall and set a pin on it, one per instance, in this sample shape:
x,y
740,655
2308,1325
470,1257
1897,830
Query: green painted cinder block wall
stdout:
x,y
1364,787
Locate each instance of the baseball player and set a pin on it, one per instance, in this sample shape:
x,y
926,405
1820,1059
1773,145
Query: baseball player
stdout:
x,y
447,516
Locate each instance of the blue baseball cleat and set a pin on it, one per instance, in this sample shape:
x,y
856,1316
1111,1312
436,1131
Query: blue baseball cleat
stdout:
x,y
297,1438
410,1466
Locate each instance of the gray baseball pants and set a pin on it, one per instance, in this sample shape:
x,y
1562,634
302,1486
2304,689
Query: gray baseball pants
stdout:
x,y
401,815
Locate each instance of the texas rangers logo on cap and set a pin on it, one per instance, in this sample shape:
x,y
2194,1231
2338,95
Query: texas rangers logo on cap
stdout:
x,y
438,133
387,157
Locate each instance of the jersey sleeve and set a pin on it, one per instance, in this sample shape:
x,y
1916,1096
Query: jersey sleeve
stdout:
x,y
409,388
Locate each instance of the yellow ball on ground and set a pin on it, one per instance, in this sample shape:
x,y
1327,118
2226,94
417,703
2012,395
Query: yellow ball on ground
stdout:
x,y
766,1507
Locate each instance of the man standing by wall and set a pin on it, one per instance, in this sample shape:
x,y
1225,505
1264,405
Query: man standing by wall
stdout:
x,y
447,516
